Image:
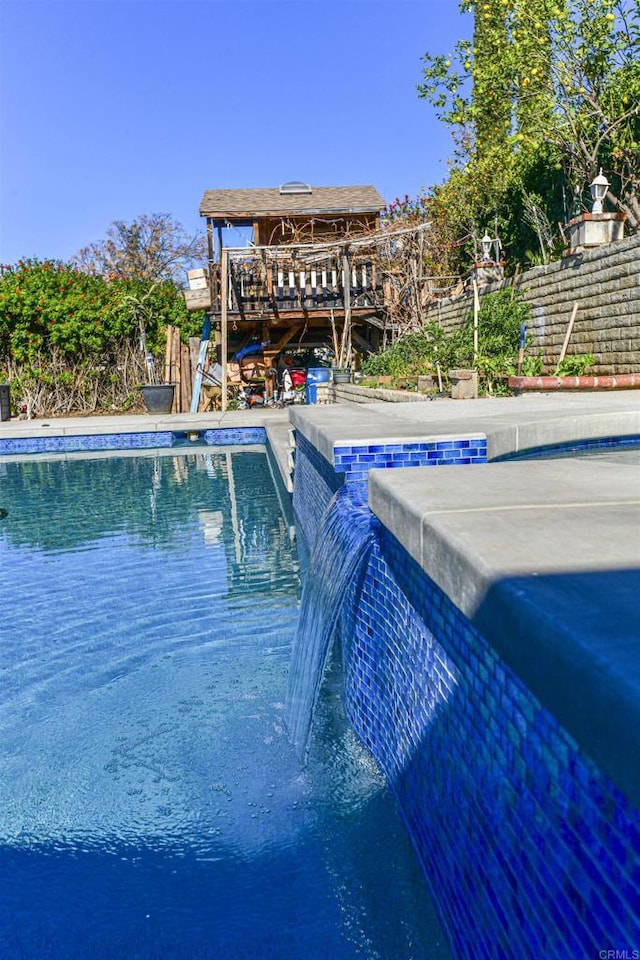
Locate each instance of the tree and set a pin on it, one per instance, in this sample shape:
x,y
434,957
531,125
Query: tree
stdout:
x,y
152,247
548,92
593,68
69,340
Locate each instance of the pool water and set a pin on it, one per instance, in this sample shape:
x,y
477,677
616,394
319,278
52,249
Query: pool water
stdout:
x,y
151,804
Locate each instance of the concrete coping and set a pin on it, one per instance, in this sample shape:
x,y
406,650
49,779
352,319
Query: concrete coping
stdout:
x,y
509,424
139,423
543,557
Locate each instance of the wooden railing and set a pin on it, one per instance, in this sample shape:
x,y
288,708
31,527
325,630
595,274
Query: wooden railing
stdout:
x,y
287,285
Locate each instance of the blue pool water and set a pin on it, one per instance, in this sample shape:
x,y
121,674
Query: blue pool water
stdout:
x,y
151,804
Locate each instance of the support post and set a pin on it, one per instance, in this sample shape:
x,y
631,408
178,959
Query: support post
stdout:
x,y
224,320
346,339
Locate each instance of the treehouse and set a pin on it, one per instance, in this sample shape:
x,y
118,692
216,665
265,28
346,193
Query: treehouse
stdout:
x,y
307,278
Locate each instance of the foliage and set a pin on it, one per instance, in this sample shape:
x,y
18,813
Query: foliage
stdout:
x,y
65,334
499,321
153,247
532,366
575,366
501,316
410,355
546,93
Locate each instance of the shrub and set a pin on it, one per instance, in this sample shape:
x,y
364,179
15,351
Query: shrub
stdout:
x,y
501,316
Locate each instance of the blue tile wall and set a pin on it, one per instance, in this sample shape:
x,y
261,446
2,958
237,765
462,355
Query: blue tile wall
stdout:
x,y
127,441
530,851
315,483
356,461
316,480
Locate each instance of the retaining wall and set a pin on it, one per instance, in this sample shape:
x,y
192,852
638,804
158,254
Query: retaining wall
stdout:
x,y
605,283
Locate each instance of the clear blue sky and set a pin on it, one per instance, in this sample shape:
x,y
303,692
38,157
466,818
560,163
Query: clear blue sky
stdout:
x,y
113,109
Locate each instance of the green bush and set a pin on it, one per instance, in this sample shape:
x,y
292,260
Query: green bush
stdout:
x,y
575,366
70,340
499,321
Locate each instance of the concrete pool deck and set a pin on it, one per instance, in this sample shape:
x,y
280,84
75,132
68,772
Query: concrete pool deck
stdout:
x,y
543,556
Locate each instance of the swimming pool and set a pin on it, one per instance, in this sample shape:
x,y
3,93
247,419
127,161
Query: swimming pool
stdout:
x,y
151,805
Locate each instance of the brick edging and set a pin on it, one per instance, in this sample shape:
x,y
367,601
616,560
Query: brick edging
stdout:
x,y
623,381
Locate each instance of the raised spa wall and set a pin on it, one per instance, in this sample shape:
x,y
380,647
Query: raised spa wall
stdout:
x,y
519,789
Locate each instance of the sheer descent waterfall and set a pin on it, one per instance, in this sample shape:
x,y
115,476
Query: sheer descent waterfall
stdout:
x,y
340,555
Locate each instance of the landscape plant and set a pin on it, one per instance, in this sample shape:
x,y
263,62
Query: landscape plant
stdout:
x,y
70,340
544,94
501,316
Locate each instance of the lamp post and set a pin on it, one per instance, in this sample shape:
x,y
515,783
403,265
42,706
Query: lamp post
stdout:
x,y
598,187
486,244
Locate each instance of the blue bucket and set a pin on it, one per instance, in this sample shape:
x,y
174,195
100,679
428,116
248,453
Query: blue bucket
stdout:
x,y
315,375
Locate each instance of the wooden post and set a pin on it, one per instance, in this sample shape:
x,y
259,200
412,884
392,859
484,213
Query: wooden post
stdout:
x,y
210,242
167,355
194,348
476,312
177,373
185,379
346,339
567,335
224,320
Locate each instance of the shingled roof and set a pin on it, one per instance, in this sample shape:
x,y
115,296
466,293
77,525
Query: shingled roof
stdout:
x,y
270,202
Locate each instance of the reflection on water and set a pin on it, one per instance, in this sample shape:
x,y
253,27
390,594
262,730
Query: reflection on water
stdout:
x,y
150,802
152,500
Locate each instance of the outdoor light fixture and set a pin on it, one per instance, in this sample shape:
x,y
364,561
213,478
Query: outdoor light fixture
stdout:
x,y
486,244
598,187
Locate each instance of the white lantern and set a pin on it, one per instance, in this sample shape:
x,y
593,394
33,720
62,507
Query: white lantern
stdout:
x,y
486,243
598,187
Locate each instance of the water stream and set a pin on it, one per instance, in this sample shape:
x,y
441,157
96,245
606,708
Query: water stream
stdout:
x,y
339,557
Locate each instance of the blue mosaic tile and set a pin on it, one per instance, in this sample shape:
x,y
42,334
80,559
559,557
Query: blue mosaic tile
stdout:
x,y
442,453
227,436
70,444
529,849
127,441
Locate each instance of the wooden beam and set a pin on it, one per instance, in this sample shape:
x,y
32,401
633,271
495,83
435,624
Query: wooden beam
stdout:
x,y
212,290
346,336
284,340
210,243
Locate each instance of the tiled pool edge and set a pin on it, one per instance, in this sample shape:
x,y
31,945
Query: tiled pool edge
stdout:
x,y
530,850
506,882
141,440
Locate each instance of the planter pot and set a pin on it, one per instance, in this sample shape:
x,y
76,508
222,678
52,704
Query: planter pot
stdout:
x,y
5,402
341,376
158,397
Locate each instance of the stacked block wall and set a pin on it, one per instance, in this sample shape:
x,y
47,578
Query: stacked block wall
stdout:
x,y
605,283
